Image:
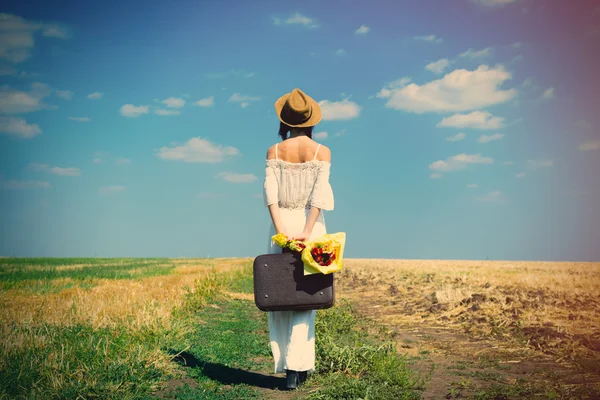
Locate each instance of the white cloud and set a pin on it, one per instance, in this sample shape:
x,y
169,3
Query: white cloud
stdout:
x,y
459,162
95,96
320,135
472,54
207,102
429,38
122,161
55,170
490,138
437,67
80,119
97,160
534,164
458,137
12,184
340,133
111,189
162,111
435,175
129,110
197,150
297,19
237,178
493,3
492,197
472,185
173,102
18,127
548,93
17,36
388,89
520,175
339,110
508,163
362,30
243,100
473,120
17,101
459,90
64,94
340,52
590,145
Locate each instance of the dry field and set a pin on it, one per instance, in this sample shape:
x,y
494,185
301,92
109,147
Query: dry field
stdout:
x,y
483,322
504,329
105,302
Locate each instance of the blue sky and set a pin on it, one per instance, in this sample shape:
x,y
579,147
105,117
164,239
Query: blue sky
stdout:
x,y
458,130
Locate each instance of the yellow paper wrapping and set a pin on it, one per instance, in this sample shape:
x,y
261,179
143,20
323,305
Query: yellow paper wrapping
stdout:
x,y
336,243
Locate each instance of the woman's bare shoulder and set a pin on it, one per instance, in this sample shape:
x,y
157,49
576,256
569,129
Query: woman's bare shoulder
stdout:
x,y
271,153
324,153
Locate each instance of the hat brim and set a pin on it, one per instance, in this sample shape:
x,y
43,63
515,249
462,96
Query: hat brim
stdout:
x,y
314,119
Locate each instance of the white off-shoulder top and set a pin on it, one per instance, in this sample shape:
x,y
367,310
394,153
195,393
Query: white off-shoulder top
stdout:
x,y
298,185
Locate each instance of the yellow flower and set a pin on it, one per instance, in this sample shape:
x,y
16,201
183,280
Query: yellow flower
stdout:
x,y
280,239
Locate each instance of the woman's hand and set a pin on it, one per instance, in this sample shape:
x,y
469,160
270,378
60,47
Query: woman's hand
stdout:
x,y
302,237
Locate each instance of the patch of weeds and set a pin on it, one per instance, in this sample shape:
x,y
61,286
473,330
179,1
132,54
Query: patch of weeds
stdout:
x,y
456,388
205,290
72,362
352,364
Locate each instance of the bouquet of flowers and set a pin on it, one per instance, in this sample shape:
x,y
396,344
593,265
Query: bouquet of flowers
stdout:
x,y
322,255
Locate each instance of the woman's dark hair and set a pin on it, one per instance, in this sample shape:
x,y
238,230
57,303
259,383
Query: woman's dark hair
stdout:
x,y
284,129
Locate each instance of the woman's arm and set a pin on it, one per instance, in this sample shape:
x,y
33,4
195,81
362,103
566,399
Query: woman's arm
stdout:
x,y
276,218
274,207
313,214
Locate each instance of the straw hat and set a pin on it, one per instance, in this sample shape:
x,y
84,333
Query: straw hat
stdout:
x,y
297,109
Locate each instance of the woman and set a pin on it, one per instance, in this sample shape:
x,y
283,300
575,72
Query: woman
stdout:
x,y
296,189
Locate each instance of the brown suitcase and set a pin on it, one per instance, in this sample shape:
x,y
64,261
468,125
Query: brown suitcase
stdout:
x,y
280,284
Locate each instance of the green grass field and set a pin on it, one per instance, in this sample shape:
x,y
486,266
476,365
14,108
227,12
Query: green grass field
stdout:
x,y
177,329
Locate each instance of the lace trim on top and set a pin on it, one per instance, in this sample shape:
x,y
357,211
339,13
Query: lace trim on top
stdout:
x,y
297,205
294,166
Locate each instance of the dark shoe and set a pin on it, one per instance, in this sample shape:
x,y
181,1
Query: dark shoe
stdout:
x,y
292,379
302,375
